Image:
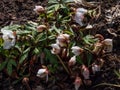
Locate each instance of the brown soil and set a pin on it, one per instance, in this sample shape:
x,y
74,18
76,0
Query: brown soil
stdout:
x,y
21,11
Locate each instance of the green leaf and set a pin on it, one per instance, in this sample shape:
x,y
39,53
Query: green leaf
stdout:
x,y
9,68
36,51
1,41
89,58
51,57
117,73
2,65
89,39
11,27
24,55
13,62
23,32
79,60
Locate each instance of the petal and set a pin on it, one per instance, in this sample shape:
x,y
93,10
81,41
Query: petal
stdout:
x,y
41,73
56,46
7,45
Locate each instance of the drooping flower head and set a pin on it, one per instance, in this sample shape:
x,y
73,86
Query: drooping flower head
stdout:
x,y
55,48
77,83
95,68
77,50
72,61
85,72
39,9
108,45
9,38
40,28
62,39
79,15
42,73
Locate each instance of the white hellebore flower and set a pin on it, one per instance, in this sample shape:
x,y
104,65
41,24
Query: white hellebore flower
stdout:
x,y
9,39
108,45
77,50
79,15
85,72
55,49
77,83
95,68
39,9
63,39
42,73
72,61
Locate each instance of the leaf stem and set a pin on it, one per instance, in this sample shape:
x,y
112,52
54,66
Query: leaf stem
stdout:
x,y
63,64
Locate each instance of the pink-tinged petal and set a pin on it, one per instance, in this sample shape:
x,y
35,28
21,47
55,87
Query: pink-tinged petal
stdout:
x,y
72,61
95,68
39,9
85,72
77,83
55,49
77,50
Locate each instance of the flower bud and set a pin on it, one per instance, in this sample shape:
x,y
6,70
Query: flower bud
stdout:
x,y
42,73
63,39
72,61
55,49
85,72
39,9
95,68
77,83
77,50
108,45
40,28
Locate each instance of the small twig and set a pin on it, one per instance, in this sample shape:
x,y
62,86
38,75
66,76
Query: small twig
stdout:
x,y
106,84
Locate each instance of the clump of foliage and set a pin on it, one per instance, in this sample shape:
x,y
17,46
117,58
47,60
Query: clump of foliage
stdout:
x,y
63,38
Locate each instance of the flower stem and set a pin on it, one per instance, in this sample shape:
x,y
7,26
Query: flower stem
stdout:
x,y
63,64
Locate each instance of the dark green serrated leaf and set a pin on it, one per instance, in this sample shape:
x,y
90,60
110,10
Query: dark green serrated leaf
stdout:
x,y
2,65
79,60
24,55
13,62
49,56
9,68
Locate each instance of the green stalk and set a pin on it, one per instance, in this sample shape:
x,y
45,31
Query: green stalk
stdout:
x,y
63,64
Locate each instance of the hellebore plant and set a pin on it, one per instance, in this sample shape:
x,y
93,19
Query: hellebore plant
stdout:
x,y
53,43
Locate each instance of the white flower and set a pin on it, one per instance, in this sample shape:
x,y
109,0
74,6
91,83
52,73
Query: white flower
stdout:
x,y
39,9
63,39
9,39
95,68
55,49
77,50
42,73
77,83
108,45
85,72
72,61
79,15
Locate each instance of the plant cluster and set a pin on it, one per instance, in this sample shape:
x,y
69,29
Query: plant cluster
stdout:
x,y
63,38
